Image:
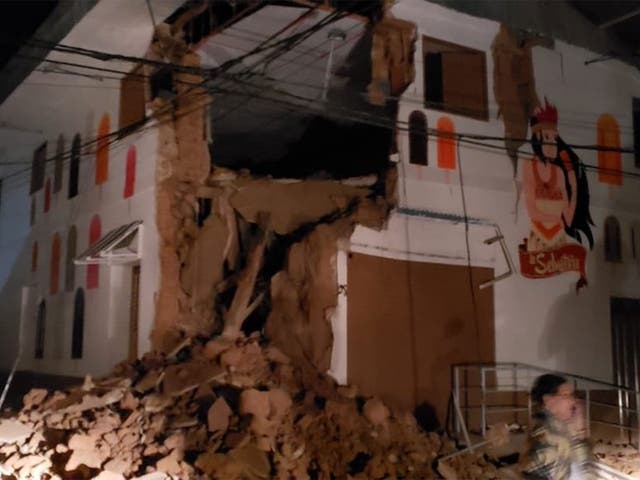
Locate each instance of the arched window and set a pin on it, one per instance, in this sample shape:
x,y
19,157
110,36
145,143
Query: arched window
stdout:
x,y
78,325
54,272
47,195
70,267
41,321
34,257
74,166
130,176
93,271
609,163
102,152
446,144
59,162
418,154
612,246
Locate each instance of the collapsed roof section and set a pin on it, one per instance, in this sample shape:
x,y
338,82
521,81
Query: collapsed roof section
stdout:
x,y
292,94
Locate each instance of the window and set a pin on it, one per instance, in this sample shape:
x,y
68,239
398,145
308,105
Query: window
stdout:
x,y
78,325
74,166
636,130
93,271
58,164
70,267
47,195
130,174
612,246
161,84
40,329
32,213
34,257
446,144
38,166
132,98
54,271
455,78
102,151
609,162
418,154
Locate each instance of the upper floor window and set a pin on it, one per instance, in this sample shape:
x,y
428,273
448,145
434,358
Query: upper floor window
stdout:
x,y
609,161
418,154
455,78
38,166
47,195
612,241
32,213
132,98
102,151
34,256
54,270
130,174
74,166
58,164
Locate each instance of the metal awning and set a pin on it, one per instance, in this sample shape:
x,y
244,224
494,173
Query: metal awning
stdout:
x,y
119,246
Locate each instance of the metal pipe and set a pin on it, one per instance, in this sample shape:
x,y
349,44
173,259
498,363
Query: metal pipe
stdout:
x,y
334,35
456,406
507,256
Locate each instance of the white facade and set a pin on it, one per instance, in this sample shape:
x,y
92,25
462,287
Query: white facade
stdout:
x,y
537,321
47,104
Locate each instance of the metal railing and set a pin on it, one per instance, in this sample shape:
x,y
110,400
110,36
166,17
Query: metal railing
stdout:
x,y
517,378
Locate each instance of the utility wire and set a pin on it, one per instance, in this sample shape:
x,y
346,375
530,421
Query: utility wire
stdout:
x,y
118,133
473,136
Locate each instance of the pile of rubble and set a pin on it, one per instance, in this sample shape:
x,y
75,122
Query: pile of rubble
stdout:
x,y
623,457
228,409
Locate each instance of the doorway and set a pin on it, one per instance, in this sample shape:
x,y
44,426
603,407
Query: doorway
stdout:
x,y
134,307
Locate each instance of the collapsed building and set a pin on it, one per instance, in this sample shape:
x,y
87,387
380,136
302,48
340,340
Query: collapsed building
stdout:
x,y
345,181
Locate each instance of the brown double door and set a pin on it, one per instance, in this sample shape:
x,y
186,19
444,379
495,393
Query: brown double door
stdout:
x,y
409,322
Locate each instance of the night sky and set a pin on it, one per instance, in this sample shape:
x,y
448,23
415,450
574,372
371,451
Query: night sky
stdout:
x,y
21,20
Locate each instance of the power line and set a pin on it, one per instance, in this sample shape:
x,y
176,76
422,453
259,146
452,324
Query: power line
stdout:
x,y
204,70
283,42
460,137
153,18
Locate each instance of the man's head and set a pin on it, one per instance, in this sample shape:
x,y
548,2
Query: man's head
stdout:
x,y
555,394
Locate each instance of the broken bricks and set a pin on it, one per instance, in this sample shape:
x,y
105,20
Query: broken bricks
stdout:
x,y
274,427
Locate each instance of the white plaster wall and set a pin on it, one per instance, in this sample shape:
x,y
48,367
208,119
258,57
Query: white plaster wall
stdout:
x,y
43,106
106,331
540,322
